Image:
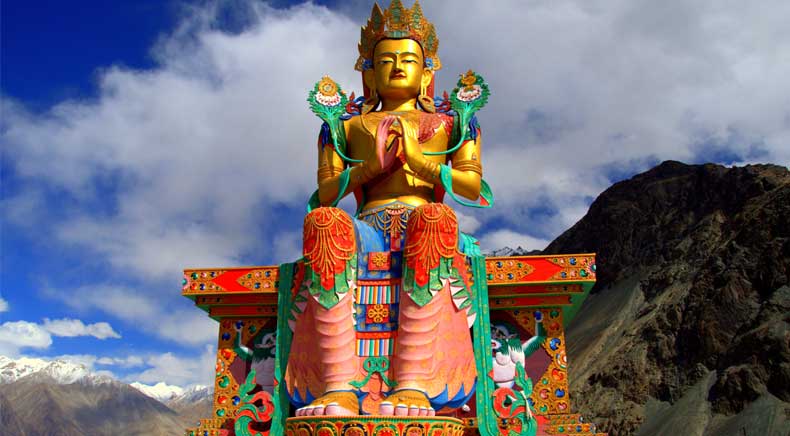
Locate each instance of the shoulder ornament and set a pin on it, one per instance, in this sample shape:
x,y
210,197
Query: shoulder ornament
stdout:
x,y
328,101
469,96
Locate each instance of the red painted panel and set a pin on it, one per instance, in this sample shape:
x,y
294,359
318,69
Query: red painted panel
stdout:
x,y
560,300
228,280
544,270
231,311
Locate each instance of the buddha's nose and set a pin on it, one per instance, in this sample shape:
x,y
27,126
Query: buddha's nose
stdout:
x,y
397,71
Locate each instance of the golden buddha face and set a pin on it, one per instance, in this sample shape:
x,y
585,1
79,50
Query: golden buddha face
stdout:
x,y
398,69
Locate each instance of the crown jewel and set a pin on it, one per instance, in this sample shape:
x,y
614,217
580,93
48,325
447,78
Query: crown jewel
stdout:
x,y
397,22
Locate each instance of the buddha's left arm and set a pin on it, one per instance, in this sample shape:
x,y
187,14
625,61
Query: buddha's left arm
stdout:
x,y
467,170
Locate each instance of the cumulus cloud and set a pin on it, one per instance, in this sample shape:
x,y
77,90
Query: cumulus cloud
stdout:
x,y
189,162
3,305
91,361
70,328
141,311
467,223
16,335
195,144
126,362
579,91
179,370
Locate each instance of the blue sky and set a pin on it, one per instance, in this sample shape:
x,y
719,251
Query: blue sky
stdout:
x,y
142,137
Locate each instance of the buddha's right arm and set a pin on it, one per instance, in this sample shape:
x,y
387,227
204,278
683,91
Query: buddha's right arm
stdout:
x,y
330,167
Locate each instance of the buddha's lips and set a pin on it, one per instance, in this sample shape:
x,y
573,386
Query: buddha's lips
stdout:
x,y
398,76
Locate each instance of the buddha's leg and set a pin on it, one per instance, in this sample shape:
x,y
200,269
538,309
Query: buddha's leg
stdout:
x,y
431,243
330,259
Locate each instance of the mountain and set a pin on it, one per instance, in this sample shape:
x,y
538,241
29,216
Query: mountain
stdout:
x,y
9,421
687,330
48,398
193,404
160,391
507,251
61,371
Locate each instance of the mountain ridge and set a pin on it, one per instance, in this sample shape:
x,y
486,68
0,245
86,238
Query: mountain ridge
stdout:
x,y
690,311
40,397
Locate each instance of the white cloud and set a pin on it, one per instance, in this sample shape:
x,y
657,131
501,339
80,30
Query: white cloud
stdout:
x,y
91,361
508,238
139,311
179,370
74,327
197,143
126,362
579,89
288,245
3,305
467,223
15,335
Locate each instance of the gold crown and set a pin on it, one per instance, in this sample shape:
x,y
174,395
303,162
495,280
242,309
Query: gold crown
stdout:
x,y
398,22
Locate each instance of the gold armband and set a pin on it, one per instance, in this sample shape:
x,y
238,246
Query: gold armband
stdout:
x,y
468,165
326,171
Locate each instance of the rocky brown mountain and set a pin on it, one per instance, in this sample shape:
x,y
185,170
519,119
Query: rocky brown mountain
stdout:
x,y
37,405
9,422
687,331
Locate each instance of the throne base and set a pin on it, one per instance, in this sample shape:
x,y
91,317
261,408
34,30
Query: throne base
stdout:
x,y
372,425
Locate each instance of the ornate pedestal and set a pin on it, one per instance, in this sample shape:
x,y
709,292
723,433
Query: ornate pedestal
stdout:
x,y
374,426
524,292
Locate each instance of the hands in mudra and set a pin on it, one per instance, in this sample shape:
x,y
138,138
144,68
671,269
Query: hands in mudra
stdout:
x,y
389,129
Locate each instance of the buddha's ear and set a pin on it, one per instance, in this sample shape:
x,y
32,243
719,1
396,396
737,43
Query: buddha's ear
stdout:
x,y
369,77
427,76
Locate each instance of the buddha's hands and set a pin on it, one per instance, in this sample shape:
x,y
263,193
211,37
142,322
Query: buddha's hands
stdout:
x,y
424,168
411,143
385,157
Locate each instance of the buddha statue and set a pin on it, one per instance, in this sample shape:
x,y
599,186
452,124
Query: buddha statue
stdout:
x,y
382,314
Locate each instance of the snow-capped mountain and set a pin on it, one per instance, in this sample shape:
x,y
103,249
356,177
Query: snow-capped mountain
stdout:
x,y
65,372
193,394
160,391
507,251
61,371
172,395
82,402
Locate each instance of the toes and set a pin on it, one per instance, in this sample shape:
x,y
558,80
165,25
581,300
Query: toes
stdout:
x,y
335,409
401,410
386,408
318,410
423,411
414,410
431,412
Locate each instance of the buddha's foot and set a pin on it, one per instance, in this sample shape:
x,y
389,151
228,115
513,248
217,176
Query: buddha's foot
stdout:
x,y
338,403
407,402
